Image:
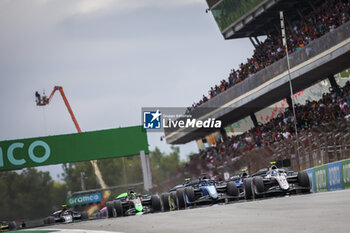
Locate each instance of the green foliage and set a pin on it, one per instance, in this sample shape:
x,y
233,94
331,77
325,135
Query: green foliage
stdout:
x,y
165,166
31,194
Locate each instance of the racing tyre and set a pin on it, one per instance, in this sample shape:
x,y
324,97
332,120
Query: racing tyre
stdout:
x,y
166,201
189,191
232,189
118,208
156,205
12,226
46,221
173,200
304,181
258,186
110,209
51,220
180,194
84,216
248,188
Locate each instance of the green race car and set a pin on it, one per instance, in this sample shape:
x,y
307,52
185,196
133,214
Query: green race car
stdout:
x,y
132,203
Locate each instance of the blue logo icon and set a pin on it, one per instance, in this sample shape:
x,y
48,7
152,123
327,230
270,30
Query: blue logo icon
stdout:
x,y
152,120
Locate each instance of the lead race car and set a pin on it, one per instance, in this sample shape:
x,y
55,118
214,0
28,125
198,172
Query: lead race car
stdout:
x,y
132,203
197,192
276,181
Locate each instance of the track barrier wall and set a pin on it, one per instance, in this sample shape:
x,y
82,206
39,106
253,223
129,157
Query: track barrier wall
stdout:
x,y
330,177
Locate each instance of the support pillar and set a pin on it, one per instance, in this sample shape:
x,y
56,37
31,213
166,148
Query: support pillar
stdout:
x,y
251,40
223,133
334,84
255,121
289,101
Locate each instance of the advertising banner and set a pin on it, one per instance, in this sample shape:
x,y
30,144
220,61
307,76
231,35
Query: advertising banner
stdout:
x,y
84,199
31,152
334,180
345,167
320,174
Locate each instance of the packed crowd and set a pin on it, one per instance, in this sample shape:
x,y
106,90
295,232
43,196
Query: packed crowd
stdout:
x,y
326,18
332,107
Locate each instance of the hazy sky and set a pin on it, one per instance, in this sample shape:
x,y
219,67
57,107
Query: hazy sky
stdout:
x,y
112,58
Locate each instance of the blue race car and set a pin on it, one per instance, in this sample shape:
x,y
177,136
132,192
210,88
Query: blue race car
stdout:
x,y
198,192
239,181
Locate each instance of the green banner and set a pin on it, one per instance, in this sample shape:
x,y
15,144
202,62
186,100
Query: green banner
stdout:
x,y
321,178
31,152
345,167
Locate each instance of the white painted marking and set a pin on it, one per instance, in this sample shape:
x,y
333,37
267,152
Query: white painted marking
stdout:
x,y
79,230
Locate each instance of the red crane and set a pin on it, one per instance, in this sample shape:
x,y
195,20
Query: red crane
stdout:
x,y
45,101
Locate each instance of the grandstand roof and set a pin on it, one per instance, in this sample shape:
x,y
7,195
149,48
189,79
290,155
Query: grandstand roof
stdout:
x,y
261,19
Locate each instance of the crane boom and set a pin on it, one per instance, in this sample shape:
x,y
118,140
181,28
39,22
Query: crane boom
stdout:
x,y
46,101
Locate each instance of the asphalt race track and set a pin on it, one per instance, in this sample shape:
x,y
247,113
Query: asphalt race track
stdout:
x,y
321,212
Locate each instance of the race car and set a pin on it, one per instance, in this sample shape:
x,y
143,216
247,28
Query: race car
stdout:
x,y
5,226
199,191
65,215
132,203
239,180
276,181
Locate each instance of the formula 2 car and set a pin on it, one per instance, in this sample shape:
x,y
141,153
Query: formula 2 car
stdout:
x,y
276,181
199,191
132,203
5,226
65,215
239,180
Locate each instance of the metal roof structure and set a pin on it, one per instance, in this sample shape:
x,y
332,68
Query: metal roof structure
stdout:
x,y
260,20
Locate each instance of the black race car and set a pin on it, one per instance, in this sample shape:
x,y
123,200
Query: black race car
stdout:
x,y
65,215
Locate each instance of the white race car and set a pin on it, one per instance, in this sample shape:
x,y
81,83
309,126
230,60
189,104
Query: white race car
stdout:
x,y
276,181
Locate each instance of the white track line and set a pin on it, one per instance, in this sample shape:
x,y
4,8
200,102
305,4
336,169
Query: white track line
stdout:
x,y
77,230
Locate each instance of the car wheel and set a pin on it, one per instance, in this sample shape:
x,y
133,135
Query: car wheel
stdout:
x,y
258,186
12,226
189,191
173,200
304,181
156,205
84,215
110,209
248,188
166,201
232,189
118,208
180,194
51,220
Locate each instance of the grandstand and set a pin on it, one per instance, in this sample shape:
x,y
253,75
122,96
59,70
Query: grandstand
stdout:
x,y
321,57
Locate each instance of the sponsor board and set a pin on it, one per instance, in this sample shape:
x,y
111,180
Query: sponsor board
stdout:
x,y
84,199
334,180
32,152
345,168
320,174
